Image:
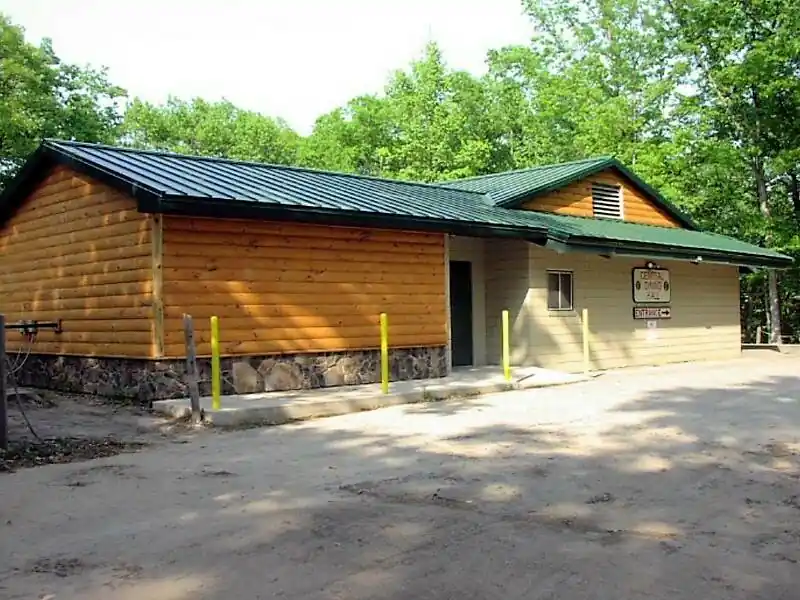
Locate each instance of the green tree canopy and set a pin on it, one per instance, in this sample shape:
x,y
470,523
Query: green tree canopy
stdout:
x,y
700,97
41,96
356,138
430,124
209,128
746,75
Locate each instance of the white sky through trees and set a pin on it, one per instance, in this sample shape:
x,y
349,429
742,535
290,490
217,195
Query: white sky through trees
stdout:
x,y
295,59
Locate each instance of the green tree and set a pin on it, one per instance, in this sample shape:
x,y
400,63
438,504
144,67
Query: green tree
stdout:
x,y
354,139
430,124
746,59
600,77
41,96
696,95
441,126
211,129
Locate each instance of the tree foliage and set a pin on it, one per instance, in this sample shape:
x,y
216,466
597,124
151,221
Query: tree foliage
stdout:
x,y
355,138
746,72
700,97
41,96
429,124
607,70
209,128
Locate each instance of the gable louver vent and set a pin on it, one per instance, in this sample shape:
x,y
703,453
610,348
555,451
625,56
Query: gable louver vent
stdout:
x,y
607,200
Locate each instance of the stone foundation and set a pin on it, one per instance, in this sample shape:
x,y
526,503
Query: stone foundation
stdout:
x,y
143,381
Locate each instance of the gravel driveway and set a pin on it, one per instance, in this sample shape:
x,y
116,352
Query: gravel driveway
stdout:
x,y
676,482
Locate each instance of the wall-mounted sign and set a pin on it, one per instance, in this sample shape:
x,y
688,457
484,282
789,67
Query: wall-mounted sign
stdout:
x,y
651,286
652,312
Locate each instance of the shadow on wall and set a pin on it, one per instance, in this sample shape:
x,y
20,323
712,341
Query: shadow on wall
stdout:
x,y
266,282
703,326
517,281
99,287
684,490
511,298
565,350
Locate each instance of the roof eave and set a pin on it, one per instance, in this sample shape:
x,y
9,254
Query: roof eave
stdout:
x,y
232,209
23,184
627,249
45,157
115,180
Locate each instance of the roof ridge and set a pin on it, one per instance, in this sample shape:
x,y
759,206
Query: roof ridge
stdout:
x,y
599,158
219,159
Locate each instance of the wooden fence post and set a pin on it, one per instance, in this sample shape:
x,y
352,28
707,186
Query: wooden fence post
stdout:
x,y
3,397
191,368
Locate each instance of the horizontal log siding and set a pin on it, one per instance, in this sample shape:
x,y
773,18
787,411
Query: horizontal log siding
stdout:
x,y
288,288
576,200
78,250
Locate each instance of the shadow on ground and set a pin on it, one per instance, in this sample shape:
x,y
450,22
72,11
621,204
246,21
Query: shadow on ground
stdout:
x,y
675,492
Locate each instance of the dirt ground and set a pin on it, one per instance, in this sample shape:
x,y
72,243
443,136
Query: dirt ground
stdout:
x,y
46,427
677,482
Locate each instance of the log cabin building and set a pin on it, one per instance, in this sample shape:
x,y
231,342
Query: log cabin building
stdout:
x,y
118,244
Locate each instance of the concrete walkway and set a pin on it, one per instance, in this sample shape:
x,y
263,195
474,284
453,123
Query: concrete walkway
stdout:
x,y
276,408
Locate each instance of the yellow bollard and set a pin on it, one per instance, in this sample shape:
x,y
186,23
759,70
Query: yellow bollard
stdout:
x,y
384,353
585,330
506,348
216,375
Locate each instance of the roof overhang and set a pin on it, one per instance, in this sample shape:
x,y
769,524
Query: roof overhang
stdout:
x,y
231,209
29,176
43,159
536,229
46,156
623,249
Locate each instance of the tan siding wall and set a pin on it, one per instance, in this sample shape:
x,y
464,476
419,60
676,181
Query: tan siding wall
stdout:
x,y
506,289
576,200
79,251
285,288
704,324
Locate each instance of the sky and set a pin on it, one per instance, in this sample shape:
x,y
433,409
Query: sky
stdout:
x,y
295,59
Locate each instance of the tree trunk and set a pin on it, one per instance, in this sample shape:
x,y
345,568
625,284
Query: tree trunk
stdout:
x,y
774,307
794,188
767,315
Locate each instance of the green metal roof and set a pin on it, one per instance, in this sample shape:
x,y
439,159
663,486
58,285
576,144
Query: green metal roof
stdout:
x,y
169,183
506,187
511,188
508,190
609,236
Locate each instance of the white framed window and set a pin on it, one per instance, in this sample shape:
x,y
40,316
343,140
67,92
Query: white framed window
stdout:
x,y
560,287
607,200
